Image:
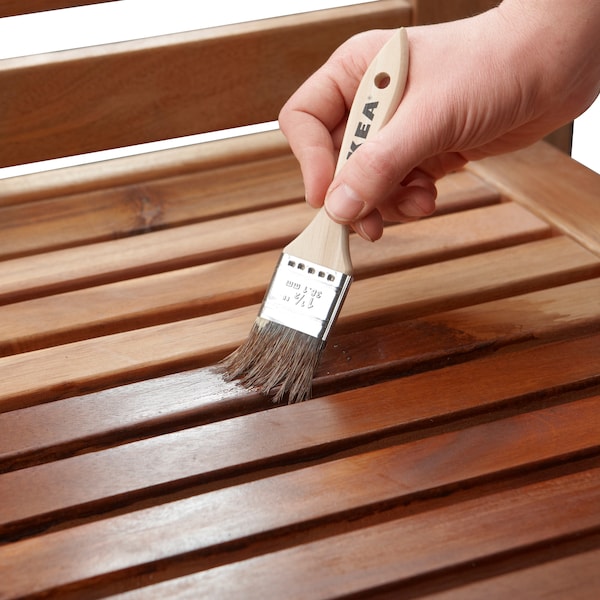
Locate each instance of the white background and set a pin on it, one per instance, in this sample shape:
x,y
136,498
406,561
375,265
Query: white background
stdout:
x,y
132,19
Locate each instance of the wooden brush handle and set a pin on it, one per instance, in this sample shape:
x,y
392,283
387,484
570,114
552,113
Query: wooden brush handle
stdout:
x,y
377,97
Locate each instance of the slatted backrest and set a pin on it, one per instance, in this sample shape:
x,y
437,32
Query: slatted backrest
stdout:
x,y
127,93
98,98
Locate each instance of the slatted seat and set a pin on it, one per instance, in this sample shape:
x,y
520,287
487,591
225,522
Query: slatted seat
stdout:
x,y
452,445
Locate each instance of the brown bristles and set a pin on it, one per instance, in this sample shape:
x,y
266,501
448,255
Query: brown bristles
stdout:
x,y
275,357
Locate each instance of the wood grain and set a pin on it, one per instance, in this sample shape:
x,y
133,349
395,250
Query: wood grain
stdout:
x,y
574,576
225,284
456,536
135,209
390,554
52,271
451,448
576,214
215,189
37,434
170,86
301,432
145,167
390,477
151,351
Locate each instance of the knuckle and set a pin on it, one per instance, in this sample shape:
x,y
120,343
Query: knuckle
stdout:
x,y
376,164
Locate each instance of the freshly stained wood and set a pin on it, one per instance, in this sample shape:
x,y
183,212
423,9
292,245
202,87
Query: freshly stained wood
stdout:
x,y
426,545
123,357
298,433
389,479
37,434
571,576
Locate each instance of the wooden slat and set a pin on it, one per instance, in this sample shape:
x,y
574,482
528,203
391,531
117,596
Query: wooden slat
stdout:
x,y
141,168
94,264
467,280
210,193
395,552
168,249
153,351
434,11
569,199
9,8
267,439
388,477
97,216
575,576
56,104
194,291
37,434
451,448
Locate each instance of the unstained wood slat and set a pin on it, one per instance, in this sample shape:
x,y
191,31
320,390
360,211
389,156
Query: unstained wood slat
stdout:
x,y
139,208
190,292
170,86
80,223
569,199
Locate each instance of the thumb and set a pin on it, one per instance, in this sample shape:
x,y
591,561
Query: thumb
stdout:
x,y
374,172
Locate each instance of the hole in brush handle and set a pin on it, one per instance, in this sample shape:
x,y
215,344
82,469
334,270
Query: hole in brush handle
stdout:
x,y
382,80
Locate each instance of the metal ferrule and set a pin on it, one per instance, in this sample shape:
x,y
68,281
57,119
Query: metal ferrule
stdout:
x,y
305,296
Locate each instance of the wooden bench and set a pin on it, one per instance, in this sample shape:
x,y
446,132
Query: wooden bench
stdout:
x,y
452,447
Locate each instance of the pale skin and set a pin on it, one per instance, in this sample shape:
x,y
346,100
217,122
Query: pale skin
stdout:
x,y
477,87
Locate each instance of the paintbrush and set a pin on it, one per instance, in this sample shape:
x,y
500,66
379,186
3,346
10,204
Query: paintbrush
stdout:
x,y
314,272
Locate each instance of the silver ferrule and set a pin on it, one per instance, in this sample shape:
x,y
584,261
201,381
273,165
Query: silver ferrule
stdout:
x,y
305,296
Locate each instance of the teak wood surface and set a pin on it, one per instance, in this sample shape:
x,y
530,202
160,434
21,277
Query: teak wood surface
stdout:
x,y
451,449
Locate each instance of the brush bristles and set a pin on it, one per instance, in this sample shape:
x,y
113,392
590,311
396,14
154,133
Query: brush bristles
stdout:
x,y
275,357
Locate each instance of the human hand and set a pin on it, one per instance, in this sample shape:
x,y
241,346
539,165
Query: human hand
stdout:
x,y
476,87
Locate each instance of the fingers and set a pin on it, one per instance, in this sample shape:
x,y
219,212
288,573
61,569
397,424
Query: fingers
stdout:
x,y
313,119
414,199
391,177
312,144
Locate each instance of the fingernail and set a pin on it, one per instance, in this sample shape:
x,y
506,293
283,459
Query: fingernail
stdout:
x,y
360,229
343,204
412,207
